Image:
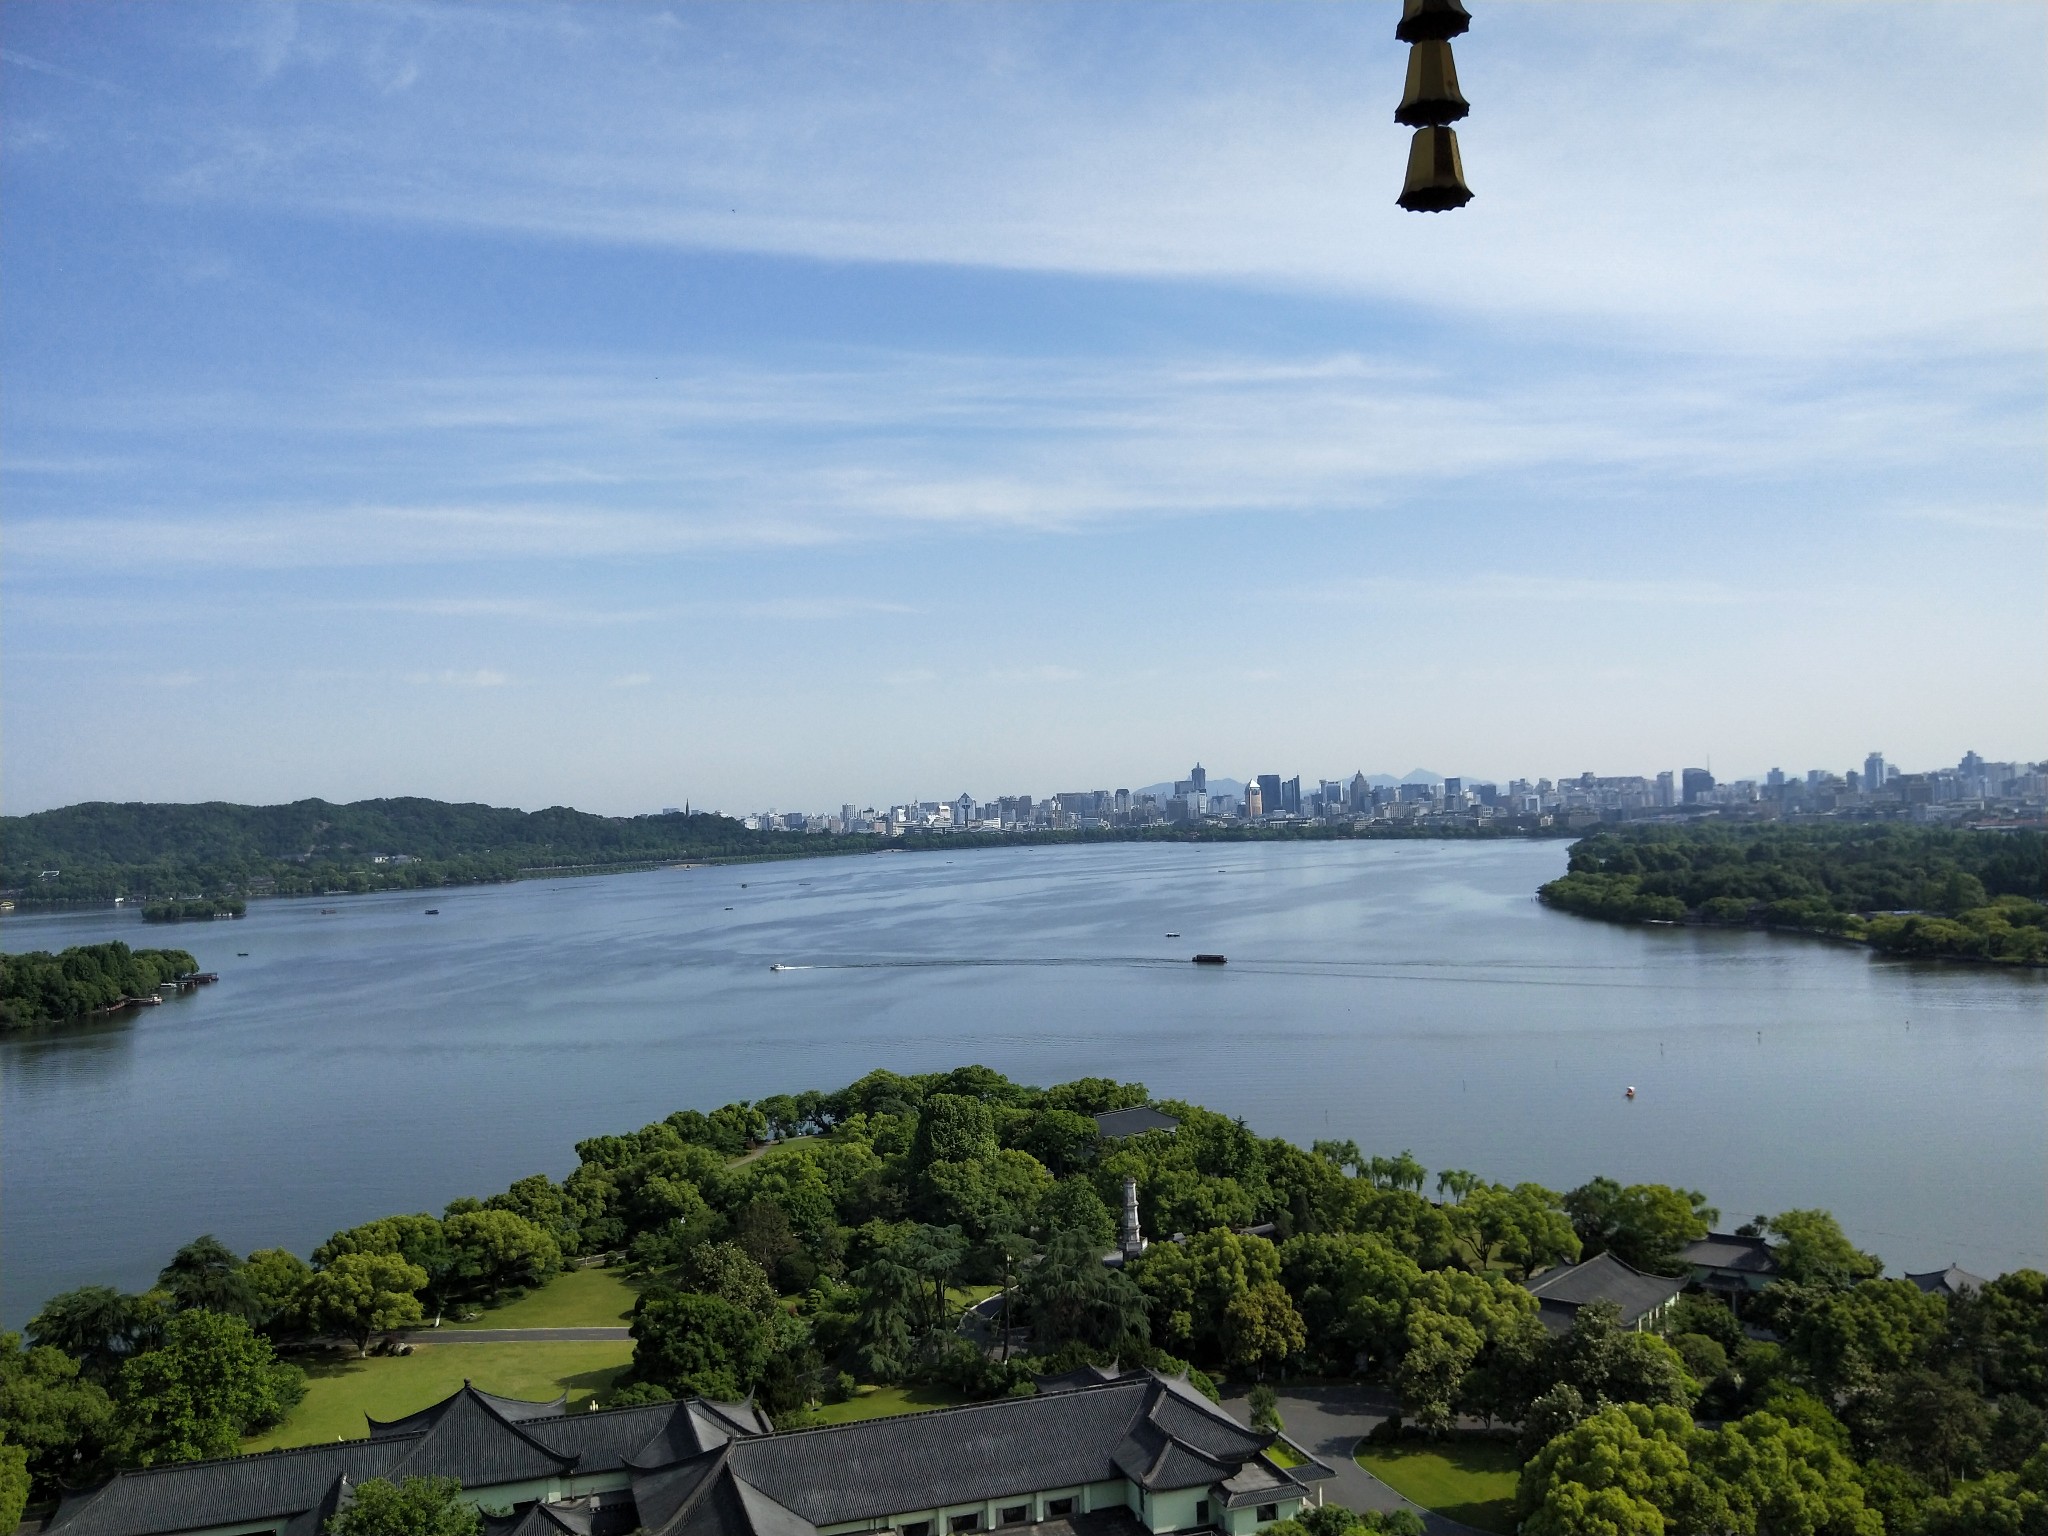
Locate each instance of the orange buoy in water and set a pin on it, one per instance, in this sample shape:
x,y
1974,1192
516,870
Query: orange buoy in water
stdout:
x,y
1631,1091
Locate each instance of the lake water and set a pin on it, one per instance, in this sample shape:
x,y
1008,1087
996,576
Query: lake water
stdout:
x,y
1403,994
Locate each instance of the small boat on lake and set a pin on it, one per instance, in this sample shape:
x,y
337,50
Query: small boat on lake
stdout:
x,y
1211,960
433,912
1173,935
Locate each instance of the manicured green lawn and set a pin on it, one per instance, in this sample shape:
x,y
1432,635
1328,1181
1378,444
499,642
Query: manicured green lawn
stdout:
x,y
886,1402
1282,1455
340,1393
576,1298
1469,1479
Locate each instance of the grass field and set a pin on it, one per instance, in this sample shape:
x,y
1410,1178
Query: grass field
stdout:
x,y
1470,1480
1281,1454
576,1298
340,1393
886,1402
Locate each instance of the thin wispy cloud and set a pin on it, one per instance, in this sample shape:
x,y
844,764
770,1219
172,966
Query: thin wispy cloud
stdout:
x,y
1237,145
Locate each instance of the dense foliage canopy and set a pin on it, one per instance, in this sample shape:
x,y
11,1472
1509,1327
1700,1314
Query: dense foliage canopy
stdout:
x,y
41,988
791,1248
1925,891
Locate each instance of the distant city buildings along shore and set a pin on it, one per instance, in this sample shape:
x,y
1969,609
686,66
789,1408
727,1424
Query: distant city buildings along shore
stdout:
x,y
1972,793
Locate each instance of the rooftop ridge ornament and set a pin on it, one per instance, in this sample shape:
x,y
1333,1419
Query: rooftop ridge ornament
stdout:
x,y
1430,103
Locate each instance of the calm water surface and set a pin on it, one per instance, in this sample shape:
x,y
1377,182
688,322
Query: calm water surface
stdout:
x,y
1401,994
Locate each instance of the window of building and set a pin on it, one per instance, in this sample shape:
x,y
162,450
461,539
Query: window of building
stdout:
x,y
1201,1511
958,1523
917,1528
1268,1512
1016,1514
1055,1508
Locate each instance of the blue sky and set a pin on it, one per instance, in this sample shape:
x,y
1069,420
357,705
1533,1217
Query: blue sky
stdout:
x,y
778,405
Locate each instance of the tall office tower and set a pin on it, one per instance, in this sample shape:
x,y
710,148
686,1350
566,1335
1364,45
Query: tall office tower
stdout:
x,y
1665,796
1254,800
1123,802
1775,780
848,815
1454,792
1361,792
1874,771
1198,780
1290,795
1697,782
1269,793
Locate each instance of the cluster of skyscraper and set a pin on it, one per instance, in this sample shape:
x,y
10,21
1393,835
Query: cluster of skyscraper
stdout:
x,y
1973,789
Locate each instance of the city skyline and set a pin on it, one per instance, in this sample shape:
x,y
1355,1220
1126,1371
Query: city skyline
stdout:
x,y
602,404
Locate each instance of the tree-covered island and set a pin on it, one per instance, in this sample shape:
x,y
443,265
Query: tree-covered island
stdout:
x,y
1928,892
945,1235
39,988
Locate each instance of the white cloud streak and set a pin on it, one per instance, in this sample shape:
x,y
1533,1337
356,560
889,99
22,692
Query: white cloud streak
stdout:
x,y
1776,177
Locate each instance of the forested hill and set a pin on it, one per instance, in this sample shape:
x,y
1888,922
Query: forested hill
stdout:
x,y
1931,891
103,849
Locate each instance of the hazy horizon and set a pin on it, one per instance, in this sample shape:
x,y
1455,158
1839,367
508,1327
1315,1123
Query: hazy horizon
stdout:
x,y
619,406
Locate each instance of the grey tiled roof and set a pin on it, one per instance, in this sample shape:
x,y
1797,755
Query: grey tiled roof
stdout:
x,y
1117,1123
1159,1432
1953,1281
281,1485
1728,1250
513,1410
709,1469
1602,1278
470,1440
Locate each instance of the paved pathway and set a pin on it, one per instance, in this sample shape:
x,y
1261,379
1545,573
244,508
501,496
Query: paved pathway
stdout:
x,y
1328,1422
511,1335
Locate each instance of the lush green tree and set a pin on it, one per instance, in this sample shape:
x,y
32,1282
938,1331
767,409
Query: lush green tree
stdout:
x,y
99,1327
1812,1250
1524,1228
14,1483
1771,1477
541,1201
1620,1472
1999,1334
276,1278
701,1346
214,1380
1401,1172
362,1294
1849,1340
1604,1361
1402,1217
495,1250
1261,1329
58,1420
1062,1139
1095,1095
953,1129
1072,1205
207,1273
2002,1504
1074,1298
1441,1350
1189,1286
1645,1225
1264,1405
1935,1424
413,1506
729,1272
419,1239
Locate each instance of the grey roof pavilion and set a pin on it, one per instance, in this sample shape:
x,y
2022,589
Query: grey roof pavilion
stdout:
x,y
1115,1124
1642,1298
1135,1453
1953,1281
